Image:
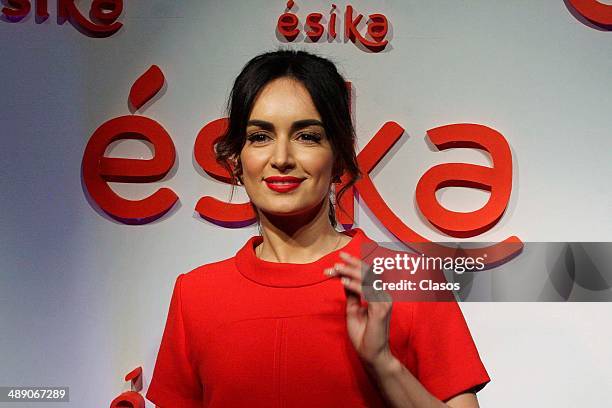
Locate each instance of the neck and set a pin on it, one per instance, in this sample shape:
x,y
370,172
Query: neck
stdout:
x,y
299,238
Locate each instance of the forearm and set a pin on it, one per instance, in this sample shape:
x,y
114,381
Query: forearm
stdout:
x,y
400,387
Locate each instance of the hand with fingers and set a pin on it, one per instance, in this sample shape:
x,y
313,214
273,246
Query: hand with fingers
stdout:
x,y
368,328
367,322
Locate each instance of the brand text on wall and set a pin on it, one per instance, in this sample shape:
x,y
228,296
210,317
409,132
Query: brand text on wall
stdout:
x,y
290,28
102,22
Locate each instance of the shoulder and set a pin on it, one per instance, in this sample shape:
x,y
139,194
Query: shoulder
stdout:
x,y
201,290
207,276
209,268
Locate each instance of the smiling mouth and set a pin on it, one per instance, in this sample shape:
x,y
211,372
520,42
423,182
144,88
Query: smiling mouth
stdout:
x,y
283,184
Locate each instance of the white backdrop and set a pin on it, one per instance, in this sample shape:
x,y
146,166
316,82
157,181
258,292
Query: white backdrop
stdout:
x,y
83,298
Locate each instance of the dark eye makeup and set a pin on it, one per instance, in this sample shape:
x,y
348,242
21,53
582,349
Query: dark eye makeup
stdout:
x,y
310,137
257,137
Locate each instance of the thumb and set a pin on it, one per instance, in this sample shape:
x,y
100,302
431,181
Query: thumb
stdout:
x,y
353,302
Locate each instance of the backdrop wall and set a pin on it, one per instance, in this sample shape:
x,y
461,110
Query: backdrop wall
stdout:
x,y
84,298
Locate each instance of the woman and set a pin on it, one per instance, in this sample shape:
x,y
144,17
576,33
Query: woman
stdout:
x,y
282,322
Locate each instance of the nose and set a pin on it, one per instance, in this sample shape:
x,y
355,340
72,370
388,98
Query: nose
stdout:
x,y
282,154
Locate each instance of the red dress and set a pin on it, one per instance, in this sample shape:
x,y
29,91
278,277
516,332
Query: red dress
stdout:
x,y
248,332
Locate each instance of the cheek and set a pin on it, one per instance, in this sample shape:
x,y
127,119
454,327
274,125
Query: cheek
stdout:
x,y
253,163
319,166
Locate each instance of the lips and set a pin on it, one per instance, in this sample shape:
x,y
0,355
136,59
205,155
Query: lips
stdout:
x,y
283,184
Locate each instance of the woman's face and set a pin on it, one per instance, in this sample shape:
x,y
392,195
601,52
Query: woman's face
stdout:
x,y
287,160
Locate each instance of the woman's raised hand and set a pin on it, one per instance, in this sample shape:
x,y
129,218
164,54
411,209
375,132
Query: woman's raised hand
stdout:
x,y
367,322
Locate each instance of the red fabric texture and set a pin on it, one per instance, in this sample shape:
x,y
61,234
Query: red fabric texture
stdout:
x,y
244,331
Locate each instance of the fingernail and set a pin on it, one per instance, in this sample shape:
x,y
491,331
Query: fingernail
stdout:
x,y
345,281
329,272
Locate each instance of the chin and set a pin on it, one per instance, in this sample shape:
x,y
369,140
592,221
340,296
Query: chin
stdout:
x,y
289,209
285,211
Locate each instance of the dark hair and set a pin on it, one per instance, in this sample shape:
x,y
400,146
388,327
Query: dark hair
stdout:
x,y
328,91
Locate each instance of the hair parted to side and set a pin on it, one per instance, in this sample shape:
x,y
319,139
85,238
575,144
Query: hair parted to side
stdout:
x,y
329,94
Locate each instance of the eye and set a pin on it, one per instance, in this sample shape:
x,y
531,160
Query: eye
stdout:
x,y
257,137
310,137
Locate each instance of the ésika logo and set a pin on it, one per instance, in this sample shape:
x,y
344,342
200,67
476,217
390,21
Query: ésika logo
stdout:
x,y
288,26
103,13
98,170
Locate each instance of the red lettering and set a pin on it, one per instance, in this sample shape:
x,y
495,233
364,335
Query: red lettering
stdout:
x,y
287,24
135,378
228,215
204,149
350,25
67,10
42,12
378,26
595,11
98,169
17,9
352,33
131,399
312,20
496,179
368,158
146,86
331,26
106,11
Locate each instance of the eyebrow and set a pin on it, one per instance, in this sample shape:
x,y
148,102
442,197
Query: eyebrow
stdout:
x,y
298,124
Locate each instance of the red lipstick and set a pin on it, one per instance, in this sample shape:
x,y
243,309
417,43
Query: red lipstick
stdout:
x,y
283,184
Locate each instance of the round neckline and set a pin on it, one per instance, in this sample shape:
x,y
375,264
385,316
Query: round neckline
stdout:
x,y
283,274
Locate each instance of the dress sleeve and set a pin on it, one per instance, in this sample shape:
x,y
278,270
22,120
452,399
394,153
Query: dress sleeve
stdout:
x,y
447,361
175,382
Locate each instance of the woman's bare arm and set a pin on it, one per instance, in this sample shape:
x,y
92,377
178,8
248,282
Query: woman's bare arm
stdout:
x,y
403,390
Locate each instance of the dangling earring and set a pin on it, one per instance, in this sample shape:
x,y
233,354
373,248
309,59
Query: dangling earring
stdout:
x,y
236,171
236,176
